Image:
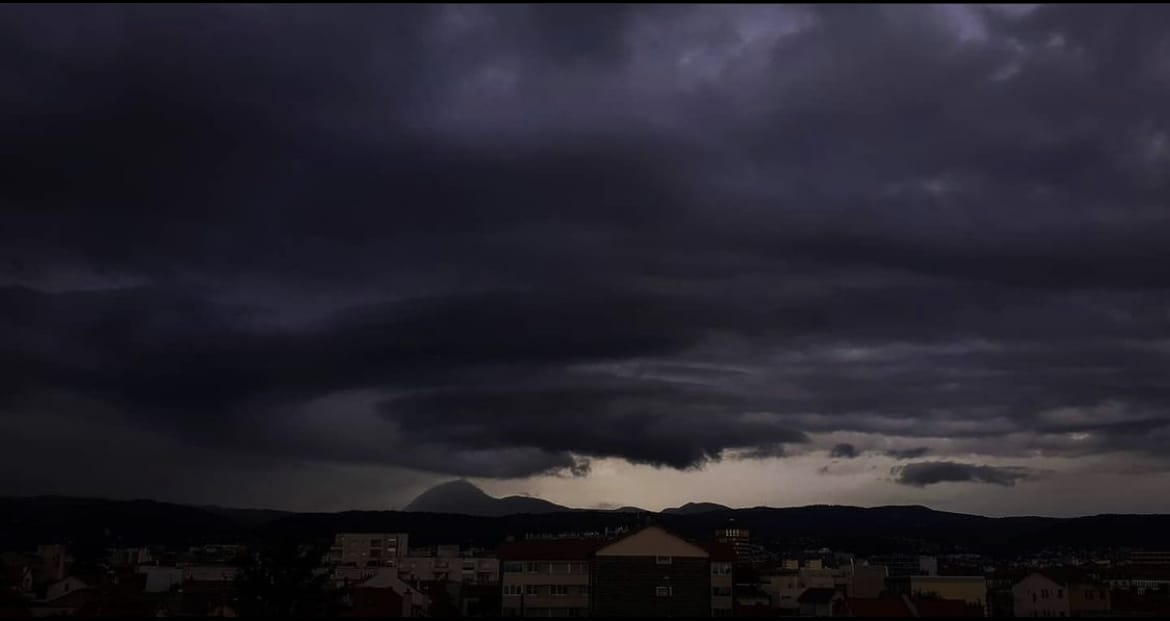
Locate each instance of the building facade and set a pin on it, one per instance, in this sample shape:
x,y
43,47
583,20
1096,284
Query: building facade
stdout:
x,y
368,549
969,589
652,573
738,538
545,578
1039,596
464,569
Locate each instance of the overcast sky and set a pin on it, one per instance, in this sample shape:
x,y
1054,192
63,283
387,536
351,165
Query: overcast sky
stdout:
x,y
322,258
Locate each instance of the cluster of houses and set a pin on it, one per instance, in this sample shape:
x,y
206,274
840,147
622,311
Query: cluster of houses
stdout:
x,y
647,572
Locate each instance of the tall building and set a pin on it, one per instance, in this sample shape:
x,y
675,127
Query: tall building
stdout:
x,y
739,538
546,578
652,573
369,549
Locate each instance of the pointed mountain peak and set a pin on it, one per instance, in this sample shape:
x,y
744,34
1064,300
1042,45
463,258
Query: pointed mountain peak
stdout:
x,y
463,496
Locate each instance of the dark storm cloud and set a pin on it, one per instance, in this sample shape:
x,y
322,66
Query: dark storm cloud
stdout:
x,y
912,453
921,474
502,241
843,450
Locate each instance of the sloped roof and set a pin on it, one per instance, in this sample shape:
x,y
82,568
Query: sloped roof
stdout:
x,y
875,607
653,540
817,595
718,551
947,608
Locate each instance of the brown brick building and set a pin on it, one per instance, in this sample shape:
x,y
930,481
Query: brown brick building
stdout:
x,y
652,573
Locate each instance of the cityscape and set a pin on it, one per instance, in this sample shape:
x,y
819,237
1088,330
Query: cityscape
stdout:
x,y
697,560
584,310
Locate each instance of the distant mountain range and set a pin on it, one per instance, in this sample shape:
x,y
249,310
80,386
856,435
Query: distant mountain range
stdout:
x,y
460,513
464,498
695,508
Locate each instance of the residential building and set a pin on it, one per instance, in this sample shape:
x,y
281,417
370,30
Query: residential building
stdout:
x,y
1039,596
907,564
739,538
651,573
368,549
62,598
52,563
867,581
969,589
130,557
722,557
386,595
818,602
1056,593
468,570
785,586
546,578
873,607
1150,557
160,579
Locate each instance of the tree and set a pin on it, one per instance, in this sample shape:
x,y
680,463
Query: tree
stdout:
x,y
284,579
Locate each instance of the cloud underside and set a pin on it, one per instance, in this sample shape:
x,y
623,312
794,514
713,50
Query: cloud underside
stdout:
x,y
506,241
921,474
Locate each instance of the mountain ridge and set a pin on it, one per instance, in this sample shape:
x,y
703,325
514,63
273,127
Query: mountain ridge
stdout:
x,y
101,524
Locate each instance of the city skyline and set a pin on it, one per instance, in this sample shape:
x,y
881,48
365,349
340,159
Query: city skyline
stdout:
x,y
321,258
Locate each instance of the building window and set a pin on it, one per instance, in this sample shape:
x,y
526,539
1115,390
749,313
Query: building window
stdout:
x,y
512,589
375,543
663,560
663,591
721,591
558,589
513,567
531,589
721,569
1060,593
1088,595
580,568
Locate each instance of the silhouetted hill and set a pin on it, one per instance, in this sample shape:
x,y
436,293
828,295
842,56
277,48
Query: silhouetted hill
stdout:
x,y
247,517
92,523
695,508
465,498
25,522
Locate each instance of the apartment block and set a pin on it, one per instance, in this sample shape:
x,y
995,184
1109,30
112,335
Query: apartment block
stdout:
x,y
652,573
369,549
969,589
546,578
468,570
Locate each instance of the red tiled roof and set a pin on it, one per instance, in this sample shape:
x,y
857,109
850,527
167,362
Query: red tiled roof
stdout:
x,y
719,551
551,550
947,608
875,608
817,595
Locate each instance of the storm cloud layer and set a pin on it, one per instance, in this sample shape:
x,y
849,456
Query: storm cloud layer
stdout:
x,y
506,241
